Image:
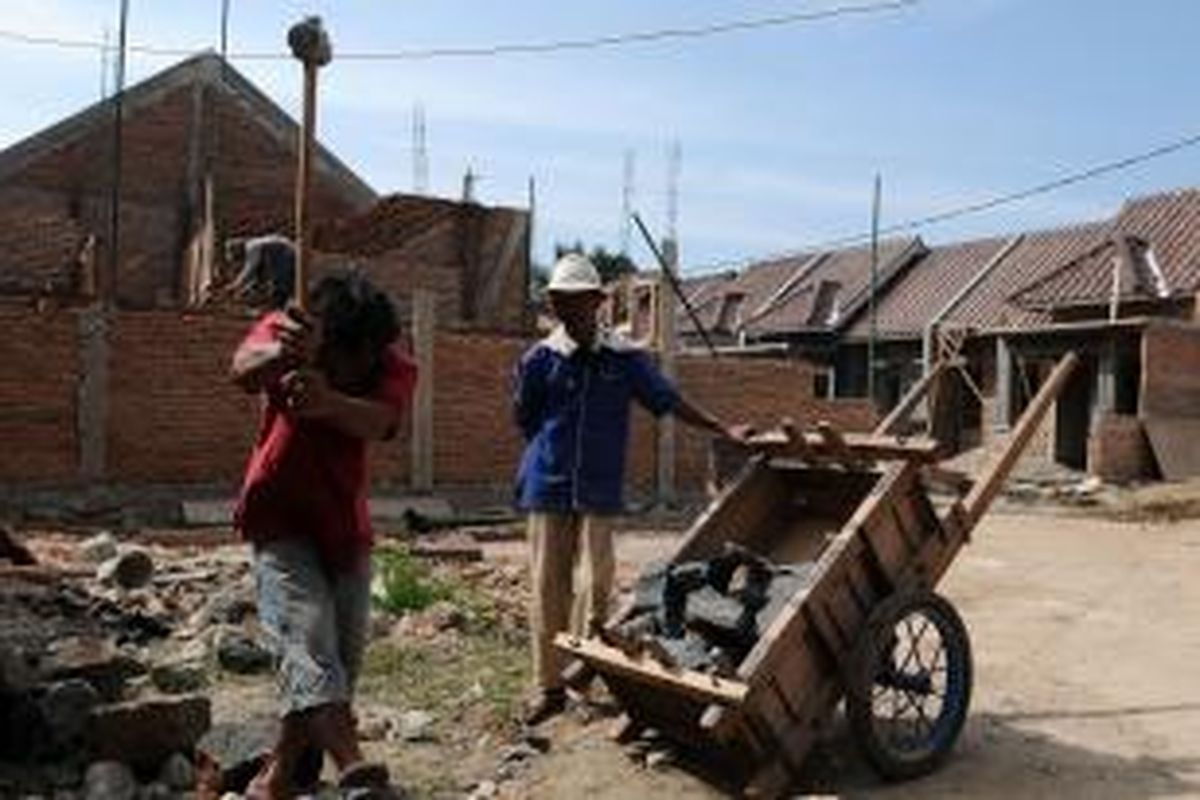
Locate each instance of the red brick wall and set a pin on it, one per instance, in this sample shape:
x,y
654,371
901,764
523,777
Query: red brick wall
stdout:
x,y
1171,371
254,182
759,392
475,440
39,371
173,417
1118,450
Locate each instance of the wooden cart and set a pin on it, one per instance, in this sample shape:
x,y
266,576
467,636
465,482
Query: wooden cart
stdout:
x,y
867,627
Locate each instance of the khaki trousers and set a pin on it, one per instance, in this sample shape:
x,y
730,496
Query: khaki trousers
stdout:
x,y
572,566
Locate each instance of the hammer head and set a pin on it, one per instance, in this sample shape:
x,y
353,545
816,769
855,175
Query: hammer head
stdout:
x,y
309,42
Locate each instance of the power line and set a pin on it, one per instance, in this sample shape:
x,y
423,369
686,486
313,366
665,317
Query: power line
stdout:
x,y
516,48
988,204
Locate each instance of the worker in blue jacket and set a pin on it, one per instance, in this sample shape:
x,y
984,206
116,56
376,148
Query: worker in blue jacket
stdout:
x,y
572,402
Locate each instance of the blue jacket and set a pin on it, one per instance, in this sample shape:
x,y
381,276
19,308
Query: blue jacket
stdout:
x,y
572,406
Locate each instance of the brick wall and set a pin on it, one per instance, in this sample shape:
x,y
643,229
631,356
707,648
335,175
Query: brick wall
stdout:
x,y
255,175
474,438
39,371
173,418
1171,371
1118,450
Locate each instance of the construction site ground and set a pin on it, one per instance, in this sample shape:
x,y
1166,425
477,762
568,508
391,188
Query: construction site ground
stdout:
x,y
1086,637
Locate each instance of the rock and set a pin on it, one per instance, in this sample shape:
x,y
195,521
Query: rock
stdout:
x,y
230,754
518,753
537,741
144,733
66,794
131,569
14,550
416,726
240,653
66,707
178,677
484,790
659,759
177,773
156,791
232,606
99,548
109,780
94,660
16,673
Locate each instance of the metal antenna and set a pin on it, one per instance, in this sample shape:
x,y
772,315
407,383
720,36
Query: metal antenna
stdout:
x,y
104,62
674,165
627,201
420,154
874,286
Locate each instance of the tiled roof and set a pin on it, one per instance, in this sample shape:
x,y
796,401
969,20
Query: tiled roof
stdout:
x,y
833,291
1037,255
923,291
1170,223
1088,280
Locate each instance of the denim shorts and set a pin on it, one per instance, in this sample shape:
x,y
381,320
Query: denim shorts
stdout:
x,y
316,622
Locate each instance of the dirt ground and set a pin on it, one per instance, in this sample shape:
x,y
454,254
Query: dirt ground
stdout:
x,y
1086,637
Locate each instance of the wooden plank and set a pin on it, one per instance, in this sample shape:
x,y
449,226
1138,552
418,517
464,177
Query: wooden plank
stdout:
x,y
863,446
424,321
770,782
785,625
992,479
736,514
605,659
889,545
910,401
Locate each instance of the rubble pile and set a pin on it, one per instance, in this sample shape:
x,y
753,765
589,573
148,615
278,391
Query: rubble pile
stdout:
x,y
105,650
707,615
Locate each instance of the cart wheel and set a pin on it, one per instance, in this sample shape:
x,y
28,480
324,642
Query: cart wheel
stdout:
x,y
909,684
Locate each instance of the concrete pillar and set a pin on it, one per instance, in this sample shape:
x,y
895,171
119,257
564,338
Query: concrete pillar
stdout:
x,y
91,406
1002,413
666,349
1104,393
424,311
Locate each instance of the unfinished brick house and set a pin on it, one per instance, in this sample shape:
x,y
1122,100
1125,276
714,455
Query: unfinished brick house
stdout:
x,y
1121,291
207,156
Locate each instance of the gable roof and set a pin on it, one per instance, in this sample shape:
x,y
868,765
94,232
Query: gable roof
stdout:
x,y
1088,279
923,292
206,69
835,288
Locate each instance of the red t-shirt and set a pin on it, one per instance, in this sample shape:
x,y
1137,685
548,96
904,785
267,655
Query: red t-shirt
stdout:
x,y
307,478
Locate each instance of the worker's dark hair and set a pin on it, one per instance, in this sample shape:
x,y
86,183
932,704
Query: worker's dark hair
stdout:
x,y
354,313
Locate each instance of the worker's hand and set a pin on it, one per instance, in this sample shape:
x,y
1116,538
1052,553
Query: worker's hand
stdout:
x,y
298,336
307,393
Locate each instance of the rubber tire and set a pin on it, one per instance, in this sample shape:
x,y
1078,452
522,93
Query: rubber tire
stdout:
x,y
861,680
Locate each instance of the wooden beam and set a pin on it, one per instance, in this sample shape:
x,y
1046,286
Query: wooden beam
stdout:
x,y
610,660
863,446
424,317
992,478
910,401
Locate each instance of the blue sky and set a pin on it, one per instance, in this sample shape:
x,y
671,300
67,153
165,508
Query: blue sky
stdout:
x,y
781,130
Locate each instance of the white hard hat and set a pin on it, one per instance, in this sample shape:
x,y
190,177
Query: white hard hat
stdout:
x,y
574,273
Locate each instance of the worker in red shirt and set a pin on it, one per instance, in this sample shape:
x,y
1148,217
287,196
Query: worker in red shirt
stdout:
x,y
330,382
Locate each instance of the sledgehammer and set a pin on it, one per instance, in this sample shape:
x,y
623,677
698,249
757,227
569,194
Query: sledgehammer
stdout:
x,y
310,44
